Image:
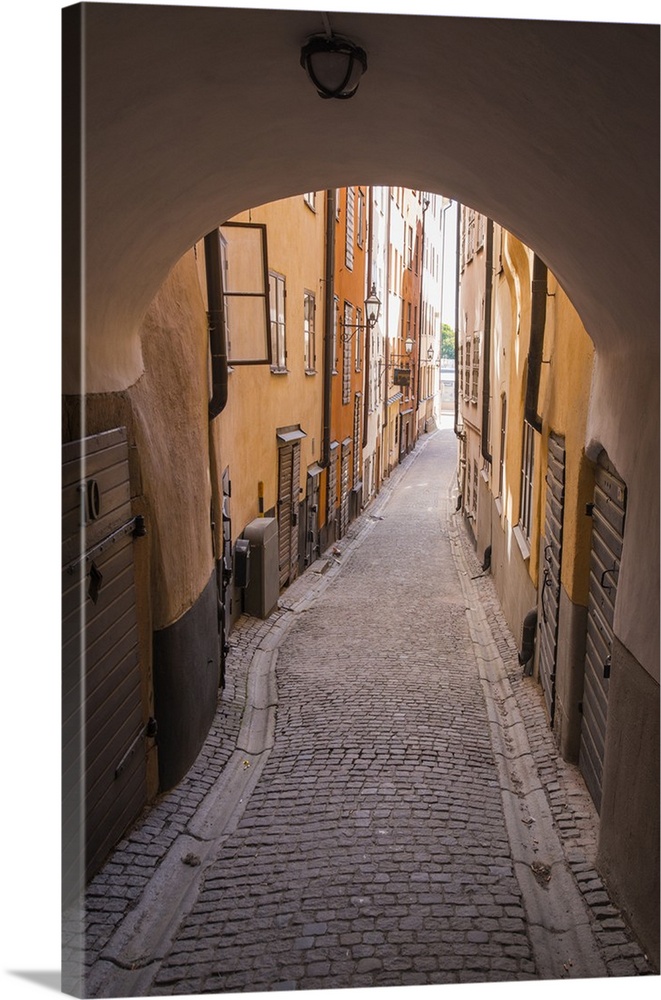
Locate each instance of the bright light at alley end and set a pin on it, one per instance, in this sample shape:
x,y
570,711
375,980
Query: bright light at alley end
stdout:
x,y
334,64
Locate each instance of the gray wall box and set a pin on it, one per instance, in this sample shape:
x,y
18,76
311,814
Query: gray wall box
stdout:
x,y
263,590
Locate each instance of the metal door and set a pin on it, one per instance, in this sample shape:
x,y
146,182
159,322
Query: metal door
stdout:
x,y
104,758
550,583
608,515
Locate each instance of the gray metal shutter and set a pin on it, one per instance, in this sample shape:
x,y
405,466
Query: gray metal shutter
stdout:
x,y
104,764
550,585
607,536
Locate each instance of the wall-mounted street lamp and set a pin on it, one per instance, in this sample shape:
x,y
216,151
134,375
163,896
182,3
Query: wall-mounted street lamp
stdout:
x,y
430,353
372,311
334,65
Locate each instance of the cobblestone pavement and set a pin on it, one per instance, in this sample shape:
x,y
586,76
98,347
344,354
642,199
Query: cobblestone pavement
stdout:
x,y
379,802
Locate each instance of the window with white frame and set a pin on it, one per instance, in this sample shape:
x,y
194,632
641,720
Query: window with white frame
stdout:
x,y
310,198
346,353
309,307
350,230
277,294
360,217
467,369
475,368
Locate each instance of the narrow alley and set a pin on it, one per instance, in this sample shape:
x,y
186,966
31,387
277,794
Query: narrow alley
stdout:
x,y
379,801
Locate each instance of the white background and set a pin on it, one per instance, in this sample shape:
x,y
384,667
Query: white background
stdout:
x,y
30,66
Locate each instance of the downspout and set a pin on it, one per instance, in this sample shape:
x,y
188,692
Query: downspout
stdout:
x,y
456,322
369,329
329,315
216,319
535,350
486,368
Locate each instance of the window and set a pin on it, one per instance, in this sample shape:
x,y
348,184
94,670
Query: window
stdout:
x,y
460,369
278,347
501,458
527,464
474,498
409,249
475,369
467,370
310,198
240,249
309,307
360,221
350,231
346,354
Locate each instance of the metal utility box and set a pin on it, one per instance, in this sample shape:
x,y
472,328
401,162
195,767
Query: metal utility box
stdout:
x,y
263,590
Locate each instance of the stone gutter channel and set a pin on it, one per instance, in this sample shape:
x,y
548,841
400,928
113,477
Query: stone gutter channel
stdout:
x,y
559,919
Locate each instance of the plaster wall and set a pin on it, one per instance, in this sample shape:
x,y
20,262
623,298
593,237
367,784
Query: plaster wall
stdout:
x,y
260,401
624,419
516,592
564,398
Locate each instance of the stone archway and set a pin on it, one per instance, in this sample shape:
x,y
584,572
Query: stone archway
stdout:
x,y
193,114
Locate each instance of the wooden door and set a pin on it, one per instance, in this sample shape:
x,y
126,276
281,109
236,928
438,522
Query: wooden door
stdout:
x,y
608,515
103,727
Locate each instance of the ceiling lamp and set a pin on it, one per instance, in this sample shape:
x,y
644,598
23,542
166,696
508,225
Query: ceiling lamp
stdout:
x,y
334,64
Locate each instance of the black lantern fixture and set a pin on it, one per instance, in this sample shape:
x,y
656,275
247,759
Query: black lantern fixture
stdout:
x,y
334,64
372,310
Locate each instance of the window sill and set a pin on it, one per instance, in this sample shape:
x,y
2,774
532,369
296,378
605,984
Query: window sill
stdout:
x,y
279,371
522,542
310,371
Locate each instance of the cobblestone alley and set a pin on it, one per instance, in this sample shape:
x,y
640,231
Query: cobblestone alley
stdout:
x,y
379,802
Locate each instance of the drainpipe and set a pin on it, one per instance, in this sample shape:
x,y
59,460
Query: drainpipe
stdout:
x,y
535,350
456,322
370,330
216,317
329,315
486,367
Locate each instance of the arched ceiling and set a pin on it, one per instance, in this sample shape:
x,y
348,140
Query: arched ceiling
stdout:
x,y
193,114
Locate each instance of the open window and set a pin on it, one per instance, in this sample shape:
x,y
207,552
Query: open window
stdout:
x,y
246,293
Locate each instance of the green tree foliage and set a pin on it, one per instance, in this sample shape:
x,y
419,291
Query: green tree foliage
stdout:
x,y
447,341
